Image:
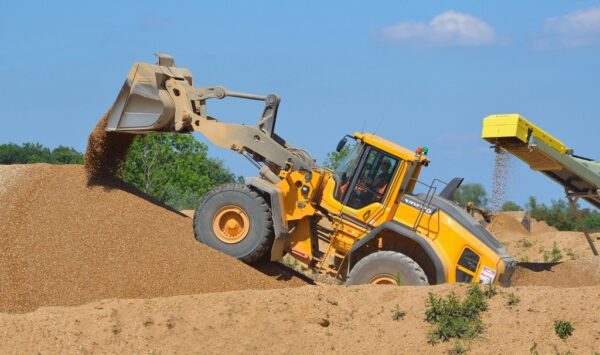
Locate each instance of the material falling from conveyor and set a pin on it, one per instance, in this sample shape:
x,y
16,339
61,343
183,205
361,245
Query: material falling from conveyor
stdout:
x,y
546,154
579,176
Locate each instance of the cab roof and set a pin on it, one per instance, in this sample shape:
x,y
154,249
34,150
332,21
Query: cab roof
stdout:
x,y
390,147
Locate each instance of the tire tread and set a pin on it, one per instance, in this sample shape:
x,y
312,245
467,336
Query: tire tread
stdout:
x,y
265,211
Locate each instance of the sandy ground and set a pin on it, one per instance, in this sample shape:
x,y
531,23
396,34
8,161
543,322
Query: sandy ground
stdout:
x,y
311,319
107,256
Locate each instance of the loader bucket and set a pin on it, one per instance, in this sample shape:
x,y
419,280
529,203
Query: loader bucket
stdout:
x,y
143,103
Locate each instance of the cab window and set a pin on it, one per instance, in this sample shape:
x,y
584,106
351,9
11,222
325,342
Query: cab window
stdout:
x,y
374,179
345,170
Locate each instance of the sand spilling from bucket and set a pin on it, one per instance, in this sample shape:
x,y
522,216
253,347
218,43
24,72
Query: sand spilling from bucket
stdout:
x,y
106,151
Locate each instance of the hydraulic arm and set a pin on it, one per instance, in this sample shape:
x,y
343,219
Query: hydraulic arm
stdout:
x,y
162,98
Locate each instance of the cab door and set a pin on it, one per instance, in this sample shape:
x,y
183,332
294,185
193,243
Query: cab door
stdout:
x,y
366,195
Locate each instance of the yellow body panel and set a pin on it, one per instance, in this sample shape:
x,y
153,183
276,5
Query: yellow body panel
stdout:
x,y
514,125
447,238
296,204
390,147
300,241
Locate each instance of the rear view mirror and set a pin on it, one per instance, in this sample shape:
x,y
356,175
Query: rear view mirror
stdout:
x,y
341,144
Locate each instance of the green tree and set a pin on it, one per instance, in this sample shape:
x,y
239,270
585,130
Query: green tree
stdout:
x,y
334,158
471,193
66,155
29,153
592,221
511,206
559,215
531,204
173,168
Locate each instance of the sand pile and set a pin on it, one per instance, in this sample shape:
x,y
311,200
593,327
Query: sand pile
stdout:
x,y
572,273
63,242
9,174
539,227
506,227
537,245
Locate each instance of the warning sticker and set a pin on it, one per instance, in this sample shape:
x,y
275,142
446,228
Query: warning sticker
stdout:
x,y
487,275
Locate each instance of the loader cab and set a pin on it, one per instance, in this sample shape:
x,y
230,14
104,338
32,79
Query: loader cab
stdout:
x,y
370,176
364,176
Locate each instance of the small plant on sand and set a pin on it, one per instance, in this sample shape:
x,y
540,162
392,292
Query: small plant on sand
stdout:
x,y
458,348
554,255
453,318
524,243
533,350
571,254
563,329
524,259
397,313
513,299
490,290
289,262
398,279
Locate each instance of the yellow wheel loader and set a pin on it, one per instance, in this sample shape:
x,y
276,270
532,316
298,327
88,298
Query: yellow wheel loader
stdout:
x,y
361,223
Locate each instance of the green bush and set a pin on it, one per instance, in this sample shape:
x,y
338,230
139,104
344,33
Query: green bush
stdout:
x,y
452,318
563,329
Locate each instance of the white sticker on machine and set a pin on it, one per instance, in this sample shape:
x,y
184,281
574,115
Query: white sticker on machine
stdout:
x,y
487,275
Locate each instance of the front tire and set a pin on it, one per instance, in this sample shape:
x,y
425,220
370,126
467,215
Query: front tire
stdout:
x,y
235,220
387,268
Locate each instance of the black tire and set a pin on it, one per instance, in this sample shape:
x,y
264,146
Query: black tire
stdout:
x,y
259,236
385,265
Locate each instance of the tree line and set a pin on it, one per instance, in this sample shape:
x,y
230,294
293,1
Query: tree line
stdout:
x,y
29,153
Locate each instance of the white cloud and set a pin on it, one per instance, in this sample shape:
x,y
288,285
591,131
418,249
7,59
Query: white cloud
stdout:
x,y
576,29
447,29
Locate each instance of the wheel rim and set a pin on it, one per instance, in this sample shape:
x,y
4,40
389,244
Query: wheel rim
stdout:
x,y
383,279
231,224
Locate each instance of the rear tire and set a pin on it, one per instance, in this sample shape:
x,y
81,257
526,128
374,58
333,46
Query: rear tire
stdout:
x,y
236,221
387,268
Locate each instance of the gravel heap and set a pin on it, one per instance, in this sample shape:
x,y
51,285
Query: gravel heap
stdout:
x,y
63,242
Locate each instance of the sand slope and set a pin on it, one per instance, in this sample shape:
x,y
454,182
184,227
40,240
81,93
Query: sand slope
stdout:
x,y
63,242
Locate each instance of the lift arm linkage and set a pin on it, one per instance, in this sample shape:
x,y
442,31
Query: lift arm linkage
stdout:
x,y
162,98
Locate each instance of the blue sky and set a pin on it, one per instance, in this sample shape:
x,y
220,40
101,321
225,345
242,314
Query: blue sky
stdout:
x,y
418,73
